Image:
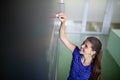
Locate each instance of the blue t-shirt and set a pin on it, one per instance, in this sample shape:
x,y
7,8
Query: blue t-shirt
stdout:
x,y
77,70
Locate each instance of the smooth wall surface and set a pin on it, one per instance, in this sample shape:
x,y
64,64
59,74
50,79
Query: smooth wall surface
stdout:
x,y
114,45
25,37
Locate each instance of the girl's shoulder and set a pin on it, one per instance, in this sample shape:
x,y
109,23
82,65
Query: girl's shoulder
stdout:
x,y
76,51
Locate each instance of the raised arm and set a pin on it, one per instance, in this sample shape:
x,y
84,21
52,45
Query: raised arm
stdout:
x,y
62,33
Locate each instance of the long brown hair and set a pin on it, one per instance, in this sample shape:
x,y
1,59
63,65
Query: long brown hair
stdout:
x,y
96,64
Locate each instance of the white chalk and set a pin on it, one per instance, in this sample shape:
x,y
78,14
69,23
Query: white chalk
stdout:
x,y
57,15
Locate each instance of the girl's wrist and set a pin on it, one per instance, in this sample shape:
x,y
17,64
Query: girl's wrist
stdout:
x,y
63,22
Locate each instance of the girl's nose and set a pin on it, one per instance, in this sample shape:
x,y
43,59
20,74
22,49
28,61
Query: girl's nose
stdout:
x,y
83,46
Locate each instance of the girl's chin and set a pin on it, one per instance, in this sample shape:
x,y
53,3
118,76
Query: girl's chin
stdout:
x,y
81,52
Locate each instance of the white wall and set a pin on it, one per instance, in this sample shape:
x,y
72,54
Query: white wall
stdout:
x,y
73,9
116,12
96,11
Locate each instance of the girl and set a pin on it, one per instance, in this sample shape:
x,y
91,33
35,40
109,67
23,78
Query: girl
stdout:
x,y
86,61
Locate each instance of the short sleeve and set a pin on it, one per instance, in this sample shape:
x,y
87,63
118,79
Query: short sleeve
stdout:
x,y
76,52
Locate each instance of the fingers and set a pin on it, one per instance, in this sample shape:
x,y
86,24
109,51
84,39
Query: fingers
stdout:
x,y
62,17
62,14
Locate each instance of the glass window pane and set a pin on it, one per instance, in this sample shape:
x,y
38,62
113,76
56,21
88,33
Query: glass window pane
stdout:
x,y
96,12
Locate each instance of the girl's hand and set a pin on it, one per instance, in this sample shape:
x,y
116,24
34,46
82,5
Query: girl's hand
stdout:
x,y
62,17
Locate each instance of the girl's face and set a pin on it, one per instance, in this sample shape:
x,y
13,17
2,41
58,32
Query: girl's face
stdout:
x,y
86,48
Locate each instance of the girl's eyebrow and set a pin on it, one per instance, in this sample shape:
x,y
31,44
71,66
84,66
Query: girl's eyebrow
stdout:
x,y
87,45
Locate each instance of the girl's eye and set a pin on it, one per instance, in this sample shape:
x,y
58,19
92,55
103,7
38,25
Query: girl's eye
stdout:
x,y
86,46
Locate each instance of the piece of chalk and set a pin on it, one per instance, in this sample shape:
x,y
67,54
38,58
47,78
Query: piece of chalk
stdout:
x,y
57,15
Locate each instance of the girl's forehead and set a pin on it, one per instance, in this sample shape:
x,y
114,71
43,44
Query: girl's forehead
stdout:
x,y
88,43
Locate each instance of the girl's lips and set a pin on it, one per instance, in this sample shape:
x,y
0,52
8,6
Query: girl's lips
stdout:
x,y
81,49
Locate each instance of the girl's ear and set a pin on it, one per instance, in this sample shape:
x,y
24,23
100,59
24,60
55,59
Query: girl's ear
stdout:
x,y
94,52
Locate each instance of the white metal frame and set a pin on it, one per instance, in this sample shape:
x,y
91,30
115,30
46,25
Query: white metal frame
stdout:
x,y
106,21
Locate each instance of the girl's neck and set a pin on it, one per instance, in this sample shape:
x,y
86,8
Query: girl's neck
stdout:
x,y
86,60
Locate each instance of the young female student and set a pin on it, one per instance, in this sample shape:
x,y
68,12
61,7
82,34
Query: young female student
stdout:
x,y
86,60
